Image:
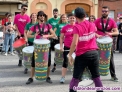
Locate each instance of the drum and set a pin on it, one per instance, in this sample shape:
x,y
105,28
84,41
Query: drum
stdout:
x,y
105,45
27,56
41,51
18,46
58,55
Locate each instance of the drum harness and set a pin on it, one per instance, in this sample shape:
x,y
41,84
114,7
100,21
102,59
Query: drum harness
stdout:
x,y
104,29
42,30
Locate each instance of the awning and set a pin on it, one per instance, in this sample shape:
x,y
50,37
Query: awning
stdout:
x,y
11,1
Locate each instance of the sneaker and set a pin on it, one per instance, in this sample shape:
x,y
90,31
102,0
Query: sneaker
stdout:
x,y
5,54
115,79
62,80
25,71
12,53
53,70
20,63
48,80
30,80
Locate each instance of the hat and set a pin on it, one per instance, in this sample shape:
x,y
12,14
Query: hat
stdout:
x,y
41,13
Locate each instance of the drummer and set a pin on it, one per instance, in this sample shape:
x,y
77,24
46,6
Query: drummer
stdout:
x,y
66,37
106,29
49,33
62,22
20,21
84,42
33,21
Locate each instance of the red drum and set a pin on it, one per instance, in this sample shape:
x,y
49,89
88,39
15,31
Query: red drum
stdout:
x,y
18,46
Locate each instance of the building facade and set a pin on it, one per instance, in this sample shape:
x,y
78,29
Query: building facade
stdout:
x,y
12,6
115,8
64,6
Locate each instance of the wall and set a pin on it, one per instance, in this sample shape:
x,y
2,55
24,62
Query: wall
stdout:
x,y
115,6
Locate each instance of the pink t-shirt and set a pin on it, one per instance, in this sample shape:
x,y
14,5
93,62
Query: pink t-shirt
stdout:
x,y
46,29
87,40
111,25
68,33
21,21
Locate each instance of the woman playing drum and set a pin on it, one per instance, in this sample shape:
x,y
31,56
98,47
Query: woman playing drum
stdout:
x,y
66,37
84,42
41,30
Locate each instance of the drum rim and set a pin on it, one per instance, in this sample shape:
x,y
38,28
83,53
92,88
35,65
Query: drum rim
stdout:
x,y
41,43
28,52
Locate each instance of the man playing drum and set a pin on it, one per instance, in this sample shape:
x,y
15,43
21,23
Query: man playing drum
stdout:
x,y
20,22
107,26
42,32
84,42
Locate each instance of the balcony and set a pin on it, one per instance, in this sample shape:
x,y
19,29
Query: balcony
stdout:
x,y
13,1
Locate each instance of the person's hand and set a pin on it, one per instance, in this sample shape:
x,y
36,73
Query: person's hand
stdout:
x,y
45,36
19,34
37,33
61,49
99,36
3,36
108,33
70,59
26,39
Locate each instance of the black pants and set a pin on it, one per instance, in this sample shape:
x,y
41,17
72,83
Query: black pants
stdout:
x,y
120,46
65,53
49,59
89,59
112,65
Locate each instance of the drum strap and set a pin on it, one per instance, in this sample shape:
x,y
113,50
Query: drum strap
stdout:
x,y
42,30
104,29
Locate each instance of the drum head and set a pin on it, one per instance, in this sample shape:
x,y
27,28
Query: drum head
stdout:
x,y
85,83
104,40
41,41
20,42
57,46
28,49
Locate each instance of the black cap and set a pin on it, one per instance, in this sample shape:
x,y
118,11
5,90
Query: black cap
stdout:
x,y
79,13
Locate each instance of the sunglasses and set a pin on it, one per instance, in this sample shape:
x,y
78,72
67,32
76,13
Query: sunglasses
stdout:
x,y
105,11
25,9
42,15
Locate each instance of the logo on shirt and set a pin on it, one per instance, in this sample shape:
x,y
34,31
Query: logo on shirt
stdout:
x,y
53,23
69,30
87,37
22,20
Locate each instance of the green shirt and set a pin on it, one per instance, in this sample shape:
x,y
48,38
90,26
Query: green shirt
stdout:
x,y
53,22
59,27
27,27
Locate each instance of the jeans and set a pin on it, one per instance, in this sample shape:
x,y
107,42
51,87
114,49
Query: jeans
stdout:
x,y
9,37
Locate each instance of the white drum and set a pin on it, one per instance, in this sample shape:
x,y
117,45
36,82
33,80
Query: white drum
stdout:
x,y
58,55
27,56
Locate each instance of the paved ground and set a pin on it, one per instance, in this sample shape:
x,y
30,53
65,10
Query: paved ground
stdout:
x,y
12,78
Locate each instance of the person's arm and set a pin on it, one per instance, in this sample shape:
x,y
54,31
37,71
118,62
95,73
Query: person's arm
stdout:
x,y
52,34
72,48
61,41
115,30
29,34
17,30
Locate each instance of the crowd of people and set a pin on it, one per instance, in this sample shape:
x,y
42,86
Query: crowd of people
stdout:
x,y
68,30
